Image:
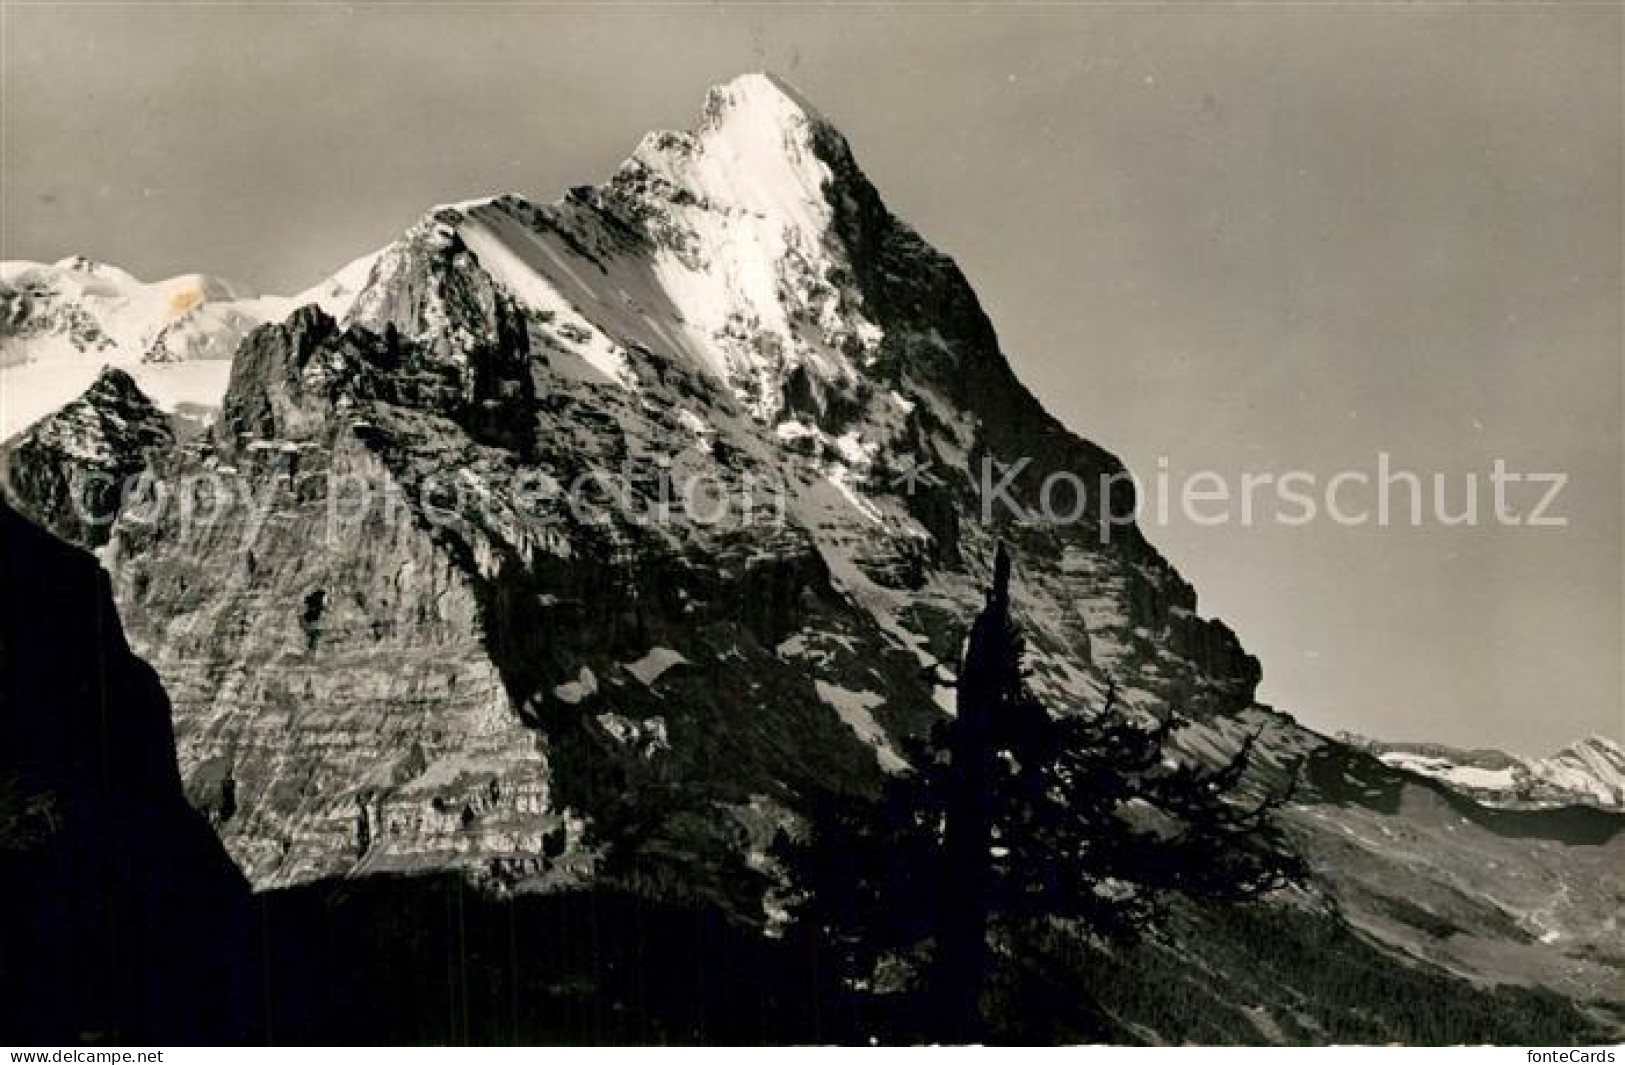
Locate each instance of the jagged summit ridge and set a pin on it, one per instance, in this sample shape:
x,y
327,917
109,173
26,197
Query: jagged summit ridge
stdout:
x,y
60,323
731,246
74,466
761,89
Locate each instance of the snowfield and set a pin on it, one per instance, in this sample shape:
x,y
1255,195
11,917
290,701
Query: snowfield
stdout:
x,y
62,323
1588,773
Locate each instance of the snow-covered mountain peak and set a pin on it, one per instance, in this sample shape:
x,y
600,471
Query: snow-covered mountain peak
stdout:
x,y
114,386
720,247
1598,744
84,264
750,248
762,92
92,277
1590,772
740,217
754,151
1593,766
61,322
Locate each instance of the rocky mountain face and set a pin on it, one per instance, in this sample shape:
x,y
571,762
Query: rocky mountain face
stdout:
x,y
123,921
121,917
1588,773
61,323
575,544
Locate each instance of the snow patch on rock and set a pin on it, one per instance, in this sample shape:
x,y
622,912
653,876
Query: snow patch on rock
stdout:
x,y
577,690
652,666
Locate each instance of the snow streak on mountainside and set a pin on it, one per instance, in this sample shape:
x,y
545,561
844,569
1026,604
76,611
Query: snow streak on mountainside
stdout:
x,y
736,302
73,465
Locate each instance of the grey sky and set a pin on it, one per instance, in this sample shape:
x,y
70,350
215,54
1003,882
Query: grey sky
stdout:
x,y
1248,238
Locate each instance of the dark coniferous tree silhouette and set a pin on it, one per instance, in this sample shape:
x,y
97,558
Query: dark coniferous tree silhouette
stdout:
x,y
1013,822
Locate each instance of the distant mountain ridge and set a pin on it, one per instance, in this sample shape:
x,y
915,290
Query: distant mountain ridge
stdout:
x,y
75,466
1590,772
